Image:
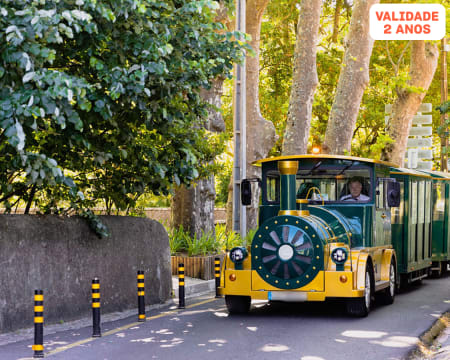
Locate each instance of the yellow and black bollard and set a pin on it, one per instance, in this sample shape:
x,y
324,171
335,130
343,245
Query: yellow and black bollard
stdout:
x,y
181,286
217,275
38,346
141,295
96,331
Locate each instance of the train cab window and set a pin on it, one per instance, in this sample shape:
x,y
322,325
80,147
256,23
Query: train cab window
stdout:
x,y
331,181
273,187
380,200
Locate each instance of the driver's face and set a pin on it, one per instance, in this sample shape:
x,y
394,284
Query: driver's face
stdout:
x,y
355,188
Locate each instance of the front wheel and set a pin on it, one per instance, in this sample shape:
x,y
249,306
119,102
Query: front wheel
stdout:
x,y
238,304
360,307
387,295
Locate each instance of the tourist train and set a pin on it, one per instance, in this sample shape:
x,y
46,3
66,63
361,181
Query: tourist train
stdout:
x,y
339,227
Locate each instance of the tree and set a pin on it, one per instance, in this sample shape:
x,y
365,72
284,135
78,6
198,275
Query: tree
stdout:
x,y
424,59
304,79
353,79
260,133
101,99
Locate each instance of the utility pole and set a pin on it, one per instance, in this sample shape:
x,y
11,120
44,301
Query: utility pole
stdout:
x,y
444,96
240,133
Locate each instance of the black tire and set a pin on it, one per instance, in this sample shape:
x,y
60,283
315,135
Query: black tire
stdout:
x,y
387,295
238,304
360,307
438,273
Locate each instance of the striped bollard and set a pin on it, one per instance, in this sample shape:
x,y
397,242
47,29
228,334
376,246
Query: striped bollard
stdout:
x,y
38,346
96,331
181,286
141,295
217,275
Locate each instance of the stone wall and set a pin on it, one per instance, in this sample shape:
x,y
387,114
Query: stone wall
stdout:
x,y
61,256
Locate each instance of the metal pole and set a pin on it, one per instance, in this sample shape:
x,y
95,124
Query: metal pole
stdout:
x,y
240,133
444,96
141,295
181,303
38,346
96,331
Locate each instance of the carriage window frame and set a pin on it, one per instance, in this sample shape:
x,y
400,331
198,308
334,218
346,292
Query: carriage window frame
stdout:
x,y
272,187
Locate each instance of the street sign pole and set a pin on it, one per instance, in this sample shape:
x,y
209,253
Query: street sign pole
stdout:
x,y
240,135
444,95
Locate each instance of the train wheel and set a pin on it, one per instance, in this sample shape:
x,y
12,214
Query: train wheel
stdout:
x,y
238,304
387,295
360,307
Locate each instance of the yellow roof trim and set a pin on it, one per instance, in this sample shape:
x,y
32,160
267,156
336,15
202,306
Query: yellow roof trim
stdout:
x,y
322,156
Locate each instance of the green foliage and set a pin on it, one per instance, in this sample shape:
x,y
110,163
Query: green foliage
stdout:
x,y
99,100
206,243
444,107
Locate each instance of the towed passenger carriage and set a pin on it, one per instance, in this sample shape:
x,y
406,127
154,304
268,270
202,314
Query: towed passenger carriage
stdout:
x,y
317,240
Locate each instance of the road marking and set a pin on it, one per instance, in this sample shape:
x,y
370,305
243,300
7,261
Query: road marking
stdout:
x,y
125,327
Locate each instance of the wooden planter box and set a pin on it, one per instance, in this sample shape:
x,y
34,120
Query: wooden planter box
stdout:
x,y
200,267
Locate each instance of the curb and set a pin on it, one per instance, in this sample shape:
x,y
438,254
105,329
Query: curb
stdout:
x,y
426,347
196,289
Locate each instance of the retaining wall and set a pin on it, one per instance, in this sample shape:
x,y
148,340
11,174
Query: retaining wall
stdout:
x,y
62,255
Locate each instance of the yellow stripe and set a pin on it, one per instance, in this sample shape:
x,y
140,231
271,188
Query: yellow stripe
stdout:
x,y
38,297
38,347
95,286
96,305
181,283
141,293
122,328
140,276
181,269
96,295
181,276
38,308
38,319
141,316
141,285
217,275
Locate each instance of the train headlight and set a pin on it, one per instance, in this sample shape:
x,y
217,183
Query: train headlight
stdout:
x,y
237,256
339,256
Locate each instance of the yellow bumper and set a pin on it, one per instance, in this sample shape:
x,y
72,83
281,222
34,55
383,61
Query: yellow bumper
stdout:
x,y
327,284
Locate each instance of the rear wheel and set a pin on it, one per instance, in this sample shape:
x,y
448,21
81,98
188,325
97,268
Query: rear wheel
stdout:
x,y
387,295
360,307
238,304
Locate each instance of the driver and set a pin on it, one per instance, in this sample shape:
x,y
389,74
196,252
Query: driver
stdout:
x,y
355,188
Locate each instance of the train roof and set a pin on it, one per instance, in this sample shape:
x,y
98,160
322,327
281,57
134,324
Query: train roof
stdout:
x,y
437,174
409,172
322,156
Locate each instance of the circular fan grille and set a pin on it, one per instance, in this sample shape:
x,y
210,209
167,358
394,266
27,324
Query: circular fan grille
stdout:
x,y
286,255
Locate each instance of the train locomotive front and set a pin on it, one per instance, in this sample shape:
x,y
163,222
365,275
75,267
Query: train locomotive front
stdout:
x,y
306,253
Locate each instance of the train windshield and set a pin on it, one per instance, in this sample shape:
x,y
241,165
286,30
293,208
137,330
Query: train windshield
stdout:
x,y
326,180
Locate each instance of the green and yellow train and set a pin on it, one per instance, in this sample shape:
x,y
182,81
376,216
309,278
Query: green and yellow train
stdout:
x,y
339,227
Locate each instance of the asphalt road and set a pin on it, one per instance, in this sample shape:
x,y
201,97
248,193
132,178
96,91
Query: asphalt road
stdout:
x,y
204,330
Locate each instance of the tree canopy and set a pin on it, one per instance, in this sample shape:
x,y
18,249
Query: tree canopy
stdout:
x,y
100,99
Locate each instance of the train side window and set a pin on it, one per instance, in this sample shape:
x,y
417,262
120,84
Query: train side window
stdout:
x,y
427,202
273,187
422,208
438,202
413,202
380,199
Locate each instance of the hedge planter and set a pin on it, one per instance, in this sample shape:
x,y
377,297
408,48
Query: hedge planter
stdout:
x,y
200,267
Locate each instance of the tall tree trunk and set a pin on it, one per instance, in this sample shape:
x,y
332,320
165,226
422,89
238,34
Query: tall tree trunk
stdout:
x,y
424,59
261,136
336,21
193,207
353,80
304,79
